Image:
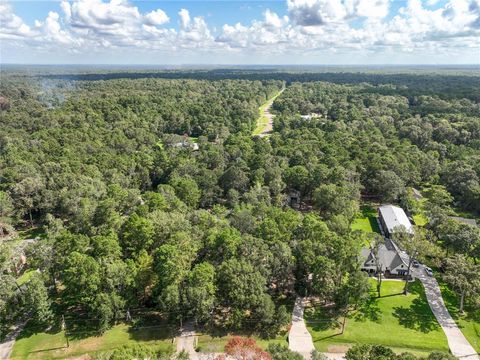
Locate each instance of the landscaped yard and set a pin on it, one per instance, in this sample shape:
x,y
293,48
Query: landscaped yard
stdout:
x,y
404,323
31,345
367,221
469,323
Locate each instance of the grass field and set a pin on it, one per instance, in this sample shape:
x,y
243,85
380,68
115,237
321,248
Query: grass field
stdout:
x,y
469,323
367,221
41,345
403,322
262,120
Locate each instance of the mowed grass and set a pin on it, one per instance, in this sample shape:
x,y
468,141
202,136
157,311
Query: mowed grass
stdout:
x,y
367,221
469,322
42,345
403,322
210,343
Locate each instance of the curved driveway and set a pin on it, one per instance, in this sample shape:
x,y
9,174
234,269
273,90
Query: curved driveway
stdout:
x,y
458,344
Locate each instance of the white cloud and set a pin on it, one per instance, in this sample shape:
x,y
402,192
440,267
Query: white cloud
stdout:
x,y
157,17
184,18
12,26
311,27
316,12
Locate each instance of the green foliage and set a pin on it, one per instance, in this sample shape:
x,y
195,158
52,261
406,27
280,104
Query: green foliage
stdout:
x,y
36,300
281,352
138,217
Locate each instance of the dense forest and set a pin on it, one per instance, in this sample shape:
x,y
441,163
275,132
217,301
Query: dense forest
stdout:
x,y
152,194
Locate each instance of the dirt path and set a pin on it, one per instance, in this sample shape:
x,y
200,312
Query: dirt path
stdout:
x,y
186,341
458,344
299,339
265,121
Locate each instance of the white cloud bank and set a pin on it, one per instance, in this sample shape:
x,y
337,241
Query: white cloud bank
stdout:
x,y
311,28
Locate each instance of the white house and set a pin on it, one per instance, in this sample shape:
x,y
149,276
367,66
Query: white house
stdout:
x,y
392,260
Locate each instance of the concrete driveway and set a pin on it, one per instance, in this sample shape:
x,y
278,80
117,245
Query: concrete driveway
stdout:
x,y
299,339
458,344
186,340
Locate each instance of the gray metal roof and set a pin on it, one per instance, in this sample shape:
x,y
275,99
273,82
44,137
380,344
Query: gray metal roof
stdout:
x,y
394,218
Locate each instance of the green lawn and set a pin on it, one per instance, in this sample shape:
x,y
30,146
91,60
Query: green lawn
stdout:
x,y
209,343
42,345
262,120
469,323
367,221
404,323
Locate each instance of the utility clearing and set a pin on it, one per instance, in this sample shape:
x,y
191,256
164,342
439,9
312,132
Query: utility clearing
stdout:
x,y
265,119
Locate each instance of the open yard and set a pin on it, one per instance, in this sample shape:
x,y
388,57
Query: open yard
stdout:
x,y
404,323
42,345
367,221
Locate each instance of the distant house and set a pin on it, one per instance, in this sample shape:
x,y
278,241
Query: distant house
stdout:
x,y
310,116
392,260
393,218
186,144
471,222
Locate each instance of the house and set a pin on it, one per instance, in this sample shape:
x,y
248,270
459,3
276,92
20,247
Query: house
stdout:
x,y
392,218
186,144
392,261
310,116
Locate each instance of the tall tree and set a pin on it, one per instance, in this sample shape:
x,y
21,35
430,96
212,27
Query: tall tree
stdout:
x,y
462,275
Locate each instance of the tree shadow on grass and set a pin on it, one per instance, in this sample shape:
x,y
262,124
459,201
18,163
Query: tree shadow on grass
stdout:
x,y
368,311
417,317
322,319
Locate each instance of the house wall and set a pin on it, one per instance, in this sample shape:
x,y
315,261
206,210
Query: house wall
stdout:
x,y
399,270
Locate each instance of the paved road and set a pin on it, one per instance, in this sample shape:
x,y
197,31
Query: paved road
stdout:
x,y
299,339
458,344
186,340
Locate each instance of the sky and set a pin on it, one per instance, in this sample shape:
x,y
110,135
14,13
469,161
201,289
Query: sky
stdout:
x,y
347,32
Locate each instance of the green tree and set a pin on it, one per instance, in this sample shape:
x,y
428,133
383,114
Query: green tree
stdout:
x,y
81,278
200,291
187,190
137,234
462,276
36,299
240,284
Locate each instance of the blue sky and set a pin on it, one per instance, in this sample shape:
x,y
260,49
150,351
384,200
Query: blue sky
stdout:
x,y
240,32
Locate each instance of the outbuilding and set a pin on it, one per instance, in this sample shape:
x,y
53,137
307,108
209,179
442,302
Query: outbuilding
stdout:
x,y
393,218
